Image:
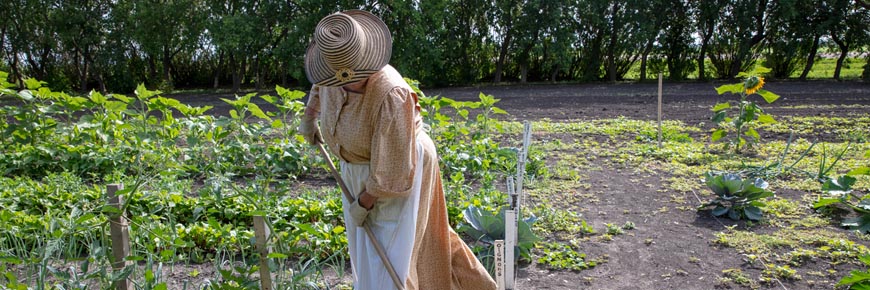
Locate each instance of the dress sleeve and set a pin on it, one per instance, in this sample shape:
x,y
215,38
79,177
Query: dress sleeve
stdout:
x,y
392,161
312,108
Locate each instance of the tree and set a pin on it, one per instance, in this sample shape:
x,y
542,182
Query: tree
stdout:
x,y
163,28
849,31
676,38
735,46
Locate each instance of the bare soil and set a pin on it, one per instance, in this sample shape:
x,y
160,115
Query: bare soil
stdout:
x,y
669,249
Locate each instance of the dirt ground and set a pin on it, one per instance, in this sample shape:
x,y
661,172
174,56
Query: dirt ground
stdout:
x,y
667,250
681,255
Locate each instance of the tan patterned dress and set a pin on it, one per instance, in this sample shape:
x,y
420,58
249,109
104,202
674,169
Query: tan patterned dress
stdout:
x,y
383,130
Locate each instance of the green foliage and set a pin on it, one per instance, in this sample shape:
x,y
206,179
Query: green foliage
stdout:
x,y
562,256
858,279
486,227
737,197
840,191
741,128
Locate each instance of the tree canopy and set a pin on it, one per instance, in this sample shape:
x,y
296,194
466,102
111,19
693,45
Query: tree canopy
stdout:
x,y
114,44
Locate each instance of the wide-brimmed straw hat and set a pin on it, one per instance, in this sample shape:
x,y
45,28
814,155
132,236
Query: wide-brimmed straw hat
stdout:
x,y
347,47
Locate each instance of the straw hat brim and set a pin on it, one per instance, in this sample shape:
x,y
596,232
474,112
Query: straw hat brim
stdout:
x,y
372,55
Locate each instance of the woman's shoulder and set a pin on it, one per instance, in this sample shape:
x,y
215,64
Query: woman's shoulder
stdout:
x,y
388,81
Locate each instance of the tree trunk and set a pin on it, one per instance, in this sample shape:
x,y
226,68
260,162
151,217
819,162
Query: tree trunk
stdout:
x,y
217,70
502,53
167,63
844,51
555,73
524,71
258,84
643,59
84,76
811,58
237,79
152,68
702,56
611,48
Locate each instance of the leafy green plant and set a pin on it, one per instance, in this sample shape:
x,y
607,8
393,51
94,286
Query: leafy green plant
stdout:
x,y
742,125
736,197
486,227
840,191
858,279
563,256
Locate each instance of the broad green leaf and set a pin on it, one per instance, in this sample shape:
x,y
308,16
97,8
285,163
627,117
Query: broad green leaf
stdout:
x,y
288,94
861,223
718,134
33,84
854,277
842,185
10,259
721,106
859,171
760,70
26,95
766,119
269,99
277,124
768,96
719,210
121,98
718,117
256,111
97,98
732,88
865,259
752,213
277,256
733,214
115,106
161,286
754,134
823,202
143,93
498,110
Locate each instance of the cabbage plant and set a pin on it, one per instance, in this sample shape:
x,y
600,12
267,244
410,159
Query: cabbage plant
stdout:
x,y
736,197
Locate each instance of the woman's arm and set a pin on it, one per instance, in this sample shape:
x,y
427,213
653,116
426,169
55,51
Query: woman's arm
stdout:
x,y
393,146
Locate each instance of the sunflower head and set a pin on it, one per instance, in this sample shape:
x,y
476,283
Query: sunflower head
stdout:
x,y
753,84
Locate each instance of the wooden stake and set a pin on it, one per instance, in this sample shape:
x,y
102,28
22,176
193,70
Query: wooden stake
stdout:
x,y
120,235
499,263
261,236
510,237
660,111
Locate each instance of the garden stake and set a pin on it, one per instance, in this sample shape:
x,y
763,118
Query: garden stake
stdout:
x,y
368,229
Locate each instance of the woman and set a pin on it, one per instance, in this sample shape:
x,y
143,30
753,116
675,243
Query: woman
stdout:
x,y
371,121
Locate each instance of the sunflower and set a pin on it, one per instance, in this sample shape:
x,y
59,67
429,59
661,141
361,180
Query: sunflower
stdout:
x,y
753,84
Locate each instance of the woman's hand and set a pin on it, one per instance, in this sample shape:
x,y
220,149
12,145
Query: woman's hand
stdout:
x,y
360,208
367,200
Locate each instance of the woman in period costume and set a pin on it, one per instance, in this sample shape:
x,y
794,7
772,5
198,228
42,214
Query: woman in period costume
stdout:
x,y
370,119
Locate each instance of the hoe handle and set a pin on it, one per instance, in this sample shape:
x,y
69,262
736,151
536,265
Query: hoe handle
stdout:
x,y
368,229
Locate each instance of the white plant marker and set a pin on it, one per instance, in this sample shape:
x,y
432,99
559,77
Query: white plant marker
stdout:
x,y
510,232
499,263
515,196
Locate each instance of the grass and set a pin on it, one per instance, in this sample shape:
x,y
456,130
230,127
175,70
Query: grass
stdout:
x,y
823,68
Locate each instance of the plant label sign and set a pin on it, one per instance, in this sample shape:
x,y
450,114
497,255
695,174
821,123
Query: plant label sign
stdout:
x,y
499,264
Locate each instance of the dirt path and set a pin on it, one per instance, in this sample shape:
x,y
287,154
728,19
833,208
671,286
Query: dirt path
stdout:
x,y
688,102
